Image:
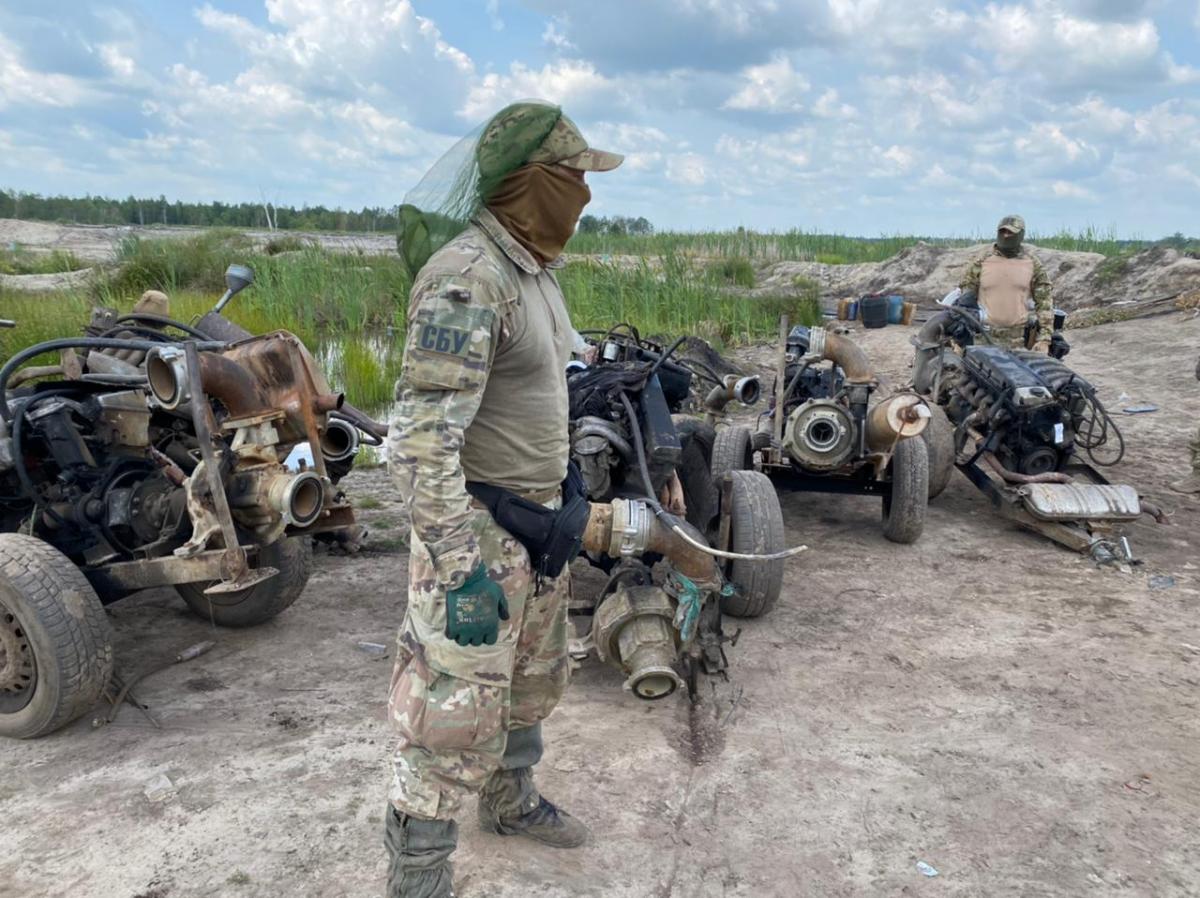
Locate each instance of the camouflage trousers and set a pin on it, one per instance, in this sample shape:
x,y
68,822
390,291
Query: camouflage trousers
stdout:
x,y
455,705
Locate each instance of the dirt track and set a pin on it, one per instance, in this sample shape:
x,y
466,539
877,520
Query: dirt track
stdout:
x,y
983,701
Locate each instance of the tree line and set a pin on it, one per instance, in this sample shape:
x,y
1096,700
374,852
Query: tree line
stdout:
x,y
101,210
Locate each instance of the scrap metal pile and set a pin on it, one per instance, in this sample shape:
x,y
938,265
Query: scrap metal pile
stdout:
x,y
153,454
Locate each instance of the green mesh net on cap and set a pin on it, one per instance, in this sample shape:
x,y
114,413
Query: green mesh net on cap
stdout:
x,y
457,186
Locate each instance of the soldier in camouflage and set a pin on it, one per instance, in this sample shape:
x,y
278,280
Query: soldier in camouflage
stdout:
x,y
1012,288
1191,483
482,652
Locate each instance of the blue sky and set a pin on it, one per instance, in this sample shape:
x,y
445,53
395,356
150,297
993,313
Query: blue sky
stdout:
x,y
860,116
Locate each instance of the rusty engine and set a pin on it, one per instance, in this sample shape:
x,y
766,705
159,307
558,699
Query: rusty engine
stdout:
x,y
150,458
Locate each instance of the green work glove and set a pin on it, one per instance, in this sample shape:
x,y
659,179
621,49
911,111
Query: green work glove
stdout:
x,y
475,609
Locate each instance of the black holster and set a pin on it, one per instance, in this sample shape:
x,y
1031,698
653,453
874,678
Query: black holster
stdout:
x,y
553,537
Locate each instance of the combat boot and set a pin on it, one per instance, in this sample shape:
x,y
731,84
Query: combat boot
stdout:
x,y
419,856
510,805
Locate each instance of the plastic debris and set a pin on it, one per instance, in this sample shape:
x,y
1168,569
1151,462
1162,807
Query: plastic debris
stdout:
x,y
926,869
373,648
1161,581
160,788
1140,409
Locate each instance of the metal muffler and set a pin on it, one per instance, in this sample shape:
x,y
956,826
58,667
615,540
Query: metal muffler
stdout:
x,y
1081,501
634,633
898,417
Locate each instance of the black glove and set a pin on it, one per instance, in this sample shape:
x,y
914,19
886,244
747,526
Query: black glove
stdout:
x,y
1059,347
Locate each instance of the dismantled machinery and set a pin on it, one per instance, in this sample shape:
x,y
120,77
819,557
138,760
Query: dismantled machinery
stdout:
x,y
153,454
827,431
647,470
1028,431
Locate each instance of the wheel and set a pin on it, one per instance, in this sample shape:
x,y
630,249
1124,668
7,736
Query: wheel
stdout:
x,y
939,446
292,557
756,527
733,450
904,508
56,655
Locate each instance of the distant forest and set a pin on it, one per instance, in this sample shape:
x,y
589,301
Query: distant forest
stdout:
x,y
102,210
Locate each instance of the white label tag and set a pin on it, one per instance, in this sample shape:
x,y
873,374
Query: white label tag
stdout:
x,y
1058,434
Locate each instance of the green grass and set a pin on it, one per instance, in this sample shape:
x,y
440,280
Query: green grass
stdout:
x,y
1112,269
18,260
833,249
736,271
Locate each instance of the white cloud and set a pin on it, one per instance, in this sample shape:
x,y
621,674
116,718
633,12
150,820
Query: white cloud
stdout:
x,y
687,169
21,85
564,81
772,87
553,36
829,106
1068,190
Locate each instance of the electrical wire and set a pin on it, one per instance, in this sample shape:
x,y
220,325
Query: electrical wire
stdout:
x,y
668,519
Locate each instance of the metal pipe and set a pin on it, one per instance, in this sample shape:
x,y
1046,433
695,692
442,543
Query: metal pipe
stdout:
x,y
1014,477
240,392
849,357
744,389
35,371
928,342
37,349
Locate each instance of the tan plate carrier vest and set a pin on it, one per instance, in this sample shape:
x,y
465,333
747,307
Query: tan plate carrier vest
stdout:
x,y
1004,290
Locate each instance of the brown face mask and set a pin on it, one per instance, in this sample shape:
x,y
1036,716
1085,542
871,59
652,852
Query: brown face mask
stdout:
x,y
540,205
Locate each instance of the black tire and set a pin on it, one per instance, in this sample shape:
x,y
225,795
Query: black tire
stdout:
x,y
756,528
939,446
733,450
904,507
56,654
292,556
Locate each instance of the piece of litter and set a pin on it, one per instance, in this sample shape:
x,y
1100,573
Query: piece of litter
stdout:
x,y
373,648
1161,581
925,869
160,788
1140,409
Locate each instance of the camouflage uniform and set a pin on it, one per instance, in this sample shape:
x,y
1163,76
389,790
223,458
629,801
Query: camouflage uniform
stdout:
x,y
1039,289
477,400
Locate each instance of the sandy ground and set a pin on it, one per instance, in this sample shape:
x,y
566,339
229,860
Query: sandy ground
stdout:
x,y
983,702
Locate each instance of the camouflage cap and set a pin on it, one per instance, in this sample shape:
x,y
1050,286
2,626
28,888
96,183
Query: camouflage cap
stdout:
x,y
566,145
536,131
1013,223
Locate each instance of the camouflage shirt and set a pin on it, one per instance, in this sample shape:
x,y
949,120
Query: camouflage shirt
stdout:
x,y
482,393
1039,289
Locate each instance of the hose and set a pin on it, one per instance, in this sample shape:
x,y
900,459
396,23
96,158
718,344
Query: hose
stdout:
x,y
164,321
669,519
72,343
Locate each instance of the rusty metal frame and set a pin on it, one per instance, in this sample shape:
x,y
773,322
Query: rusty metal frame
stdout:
x,y
234,564
124,577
